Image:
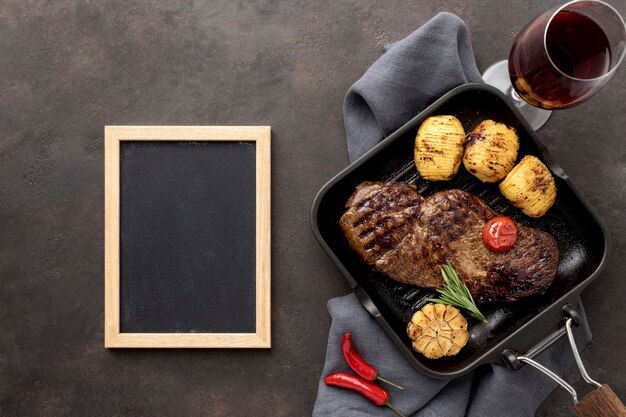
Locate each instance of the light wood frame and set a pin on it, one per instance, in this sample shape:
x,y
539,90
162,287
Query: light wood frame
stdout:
x,y
113,136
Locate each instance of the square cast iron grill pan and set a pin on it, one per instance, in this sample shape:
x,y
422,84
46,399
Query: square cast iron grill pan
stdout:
x,y
522,326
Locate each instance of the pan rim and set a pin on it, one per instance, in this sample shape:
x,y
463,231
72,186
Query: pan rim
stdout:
x,y
488,356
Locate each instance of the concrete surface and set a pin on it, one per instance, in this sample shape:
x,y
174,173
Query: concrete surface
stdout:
x,y
69,67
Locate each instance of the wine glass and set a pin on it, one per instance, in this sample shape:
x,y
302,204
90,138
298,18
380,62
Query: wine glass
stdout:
x,y
561,58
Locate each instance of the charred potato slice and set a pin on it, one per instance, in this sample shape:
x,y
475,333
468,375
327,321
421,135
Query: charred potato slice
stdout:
x,y
438,330
491,151
439,147
530,187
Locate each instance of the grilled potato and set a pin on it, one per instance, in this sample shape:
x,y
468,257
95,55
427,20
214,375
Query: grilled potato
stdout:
x,y
491,151
439,147
530,187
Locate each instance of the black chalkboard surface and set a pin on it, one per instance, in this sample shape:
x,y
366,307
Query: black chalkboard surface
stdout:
x,y
188,267
187,228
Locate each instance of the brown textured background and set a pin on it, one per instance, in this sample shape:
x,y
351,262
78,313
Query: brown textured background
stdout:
x,y
69,67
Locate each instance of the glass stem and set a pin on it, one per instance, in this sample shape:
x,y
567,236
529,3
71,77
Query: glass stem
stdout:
x,y
516,98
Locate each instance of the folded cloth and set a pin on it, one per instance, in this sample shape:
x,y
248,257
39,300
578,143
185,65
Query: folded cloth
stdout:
x,y
406,79
409,76
490,390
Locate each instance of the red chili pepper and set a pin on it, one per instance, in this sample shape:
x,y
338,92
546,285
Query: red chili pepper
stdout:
x,y
358,364
369,390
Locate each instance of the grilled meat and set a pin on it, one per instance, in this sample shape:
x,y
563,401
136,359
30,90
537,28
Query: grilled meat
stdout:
x,y
408,238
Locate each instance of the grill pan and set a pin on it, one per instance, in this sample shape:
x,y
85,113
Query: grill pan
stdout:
x,y
526,327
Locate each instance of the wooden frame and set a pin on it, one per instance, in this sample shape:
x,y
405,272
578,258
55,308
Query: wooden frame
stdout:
x,y
113,338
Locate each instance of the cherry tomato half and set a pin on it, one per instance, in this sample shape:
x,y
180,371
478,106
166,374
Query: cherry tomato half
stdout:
x,y
500,234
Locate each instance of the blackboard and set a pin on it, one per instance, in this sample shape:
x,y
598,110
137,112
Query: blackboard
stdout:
x,y
187,236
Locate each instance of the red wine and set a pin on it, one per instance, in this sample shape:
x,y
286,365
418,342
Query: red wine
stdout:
x,y
578,46
578,52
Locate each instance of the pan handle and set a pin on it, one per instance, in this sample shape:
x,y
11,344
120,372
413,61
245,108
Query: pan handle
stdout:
x,y
601,402
509,357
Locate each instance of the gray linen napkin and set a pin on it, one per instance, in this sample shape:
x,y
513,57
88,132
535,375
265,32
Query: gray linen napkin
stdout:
x,y
411,75
491,390
408,77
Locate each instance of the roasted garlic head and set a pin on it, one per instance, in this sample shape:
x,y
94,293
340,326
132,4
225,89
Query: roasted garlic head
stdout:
x,y
438,330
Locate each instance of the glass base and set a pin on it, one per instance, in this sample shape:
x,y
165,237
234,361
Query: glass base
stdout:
x,y
497,75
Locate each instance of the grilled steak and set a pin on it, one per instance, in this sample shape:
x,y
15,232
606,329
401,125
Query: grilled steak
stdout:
x,y
408,238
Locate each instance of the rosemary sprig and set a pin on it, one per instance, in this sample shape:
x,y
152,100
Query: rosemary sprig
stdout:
x,y
455,293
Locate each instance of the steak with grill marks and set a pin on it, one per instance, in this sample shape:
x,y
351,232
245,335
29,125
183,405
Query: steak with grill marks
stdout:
x,y
408,237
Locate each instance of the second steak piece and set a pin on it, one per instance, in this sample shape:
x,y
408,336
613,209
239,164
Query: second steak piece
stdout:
x,y
446,226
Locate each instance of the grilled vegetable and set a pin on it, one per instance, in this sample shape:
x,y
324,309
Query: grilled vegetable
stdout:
x,y
491,151
530,187
369,390
438,330
499,234
439,147
356,362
